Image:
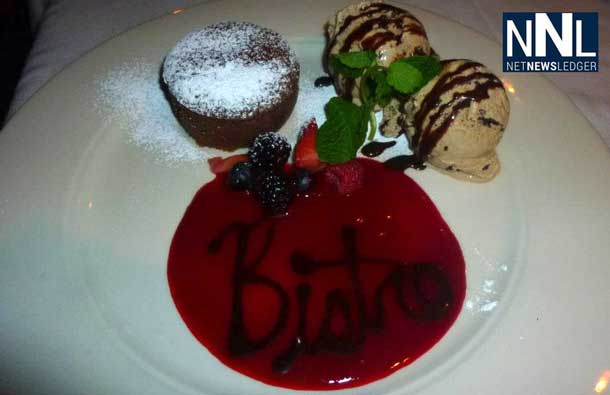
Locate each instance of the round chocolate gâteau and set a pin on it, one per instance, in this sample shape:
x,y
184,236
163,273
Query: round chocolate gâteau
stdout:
x,y
229,82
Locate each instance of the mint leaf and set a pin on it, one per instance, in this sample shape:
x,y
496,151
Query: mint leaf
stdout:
x,y
359,134
375,88
344,131
357,60
367,90
346,126
336,66
410,74
383,90
429,66
404,77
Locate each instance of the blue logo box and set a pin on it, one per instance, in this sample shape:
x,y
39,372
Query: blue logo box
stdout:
x,y
550,42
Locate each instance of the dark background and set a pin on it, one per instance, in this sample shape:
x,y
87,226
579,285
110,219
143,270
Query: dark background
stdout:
x,y
15,42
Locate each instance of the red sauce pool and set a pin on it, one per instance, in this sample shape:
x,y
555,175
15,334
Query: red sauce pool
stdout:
x,y
341,292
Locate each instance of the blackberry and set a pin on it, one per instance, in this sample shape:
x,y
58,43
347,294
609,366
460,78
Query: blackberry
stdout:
x,y
269,151
240,176
273,191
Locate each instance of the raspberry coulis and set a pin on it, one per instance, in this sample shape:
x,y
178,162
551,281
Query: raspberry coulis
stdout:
x,y
342,291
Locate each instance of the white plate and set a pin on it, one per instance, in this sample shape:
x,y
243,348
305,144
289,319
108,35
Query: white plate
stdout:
x,y
87,213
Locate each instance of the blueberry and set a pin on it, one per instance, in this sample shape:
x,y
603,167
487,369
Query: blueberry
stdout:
x,y
240,176
302,180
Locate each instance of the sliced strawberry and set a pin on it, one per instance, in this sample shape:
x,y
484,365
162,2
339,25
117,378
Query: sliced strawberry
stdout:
x,y
346,177
305,154
220,165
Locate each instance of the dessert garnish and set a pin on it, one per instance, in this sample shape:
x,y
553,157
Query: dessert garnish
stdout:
x,y
345,177
404,162
391,32
376,148
322,81
305,153
222,165
241,175
346,126
261,172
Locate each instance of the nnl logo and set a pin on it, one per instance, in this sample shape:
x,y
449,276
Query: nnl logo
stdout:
x,y
550,41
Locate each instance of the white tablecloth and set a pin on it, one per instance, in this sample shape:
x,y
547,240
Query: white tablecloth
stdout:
x,y
67,29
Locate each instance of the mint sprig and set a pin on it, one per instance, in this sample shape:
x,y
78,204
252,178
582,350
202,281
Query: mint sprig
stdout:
x,y
404,77
346,71
357,60
344,131
352,64
429,66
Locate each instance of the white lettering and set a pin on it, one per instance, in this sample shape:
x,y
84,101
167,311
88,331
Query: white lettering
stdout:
x,y
544,28
512,31
579,51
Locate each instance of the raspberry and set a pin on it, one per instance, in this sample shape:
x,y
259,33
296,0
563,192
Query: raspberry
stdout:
x,y
269,151
346,177
273,192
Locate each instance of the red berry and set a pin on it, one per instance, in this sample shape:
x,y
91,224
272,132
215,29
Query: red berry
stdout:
x,y
306,156
345,177
220,165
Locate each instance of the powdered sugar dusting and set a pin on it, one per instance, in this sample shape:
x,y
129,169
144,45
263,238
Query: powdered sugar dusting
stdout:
x,y
130,95
223,71
234,88
310,104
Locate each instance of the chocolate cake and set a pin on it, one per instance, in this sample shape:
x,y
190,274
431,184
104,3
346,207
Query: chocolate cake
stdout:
x,y
229,82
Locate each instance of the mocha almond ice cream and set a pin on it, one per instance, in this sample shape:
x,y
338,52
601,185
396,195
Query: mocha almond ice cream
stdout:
x,y
391,32
455,122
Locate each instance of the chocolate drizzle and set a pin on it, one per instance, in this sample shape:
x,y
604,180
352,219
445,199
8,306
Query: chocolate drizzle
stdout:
x,y
376,148
388,14
323,81
421,290
380,22
377,40
425,138
370,17
404,162
240,343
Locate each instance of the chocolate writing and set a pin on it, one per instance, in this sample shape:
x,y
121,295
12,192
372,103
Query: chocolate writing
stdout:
x,y
421,290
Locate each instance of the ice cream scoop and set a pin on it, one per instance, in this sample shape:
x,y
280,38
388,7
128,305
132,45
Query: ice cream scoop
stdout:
x,y
393,33
455,122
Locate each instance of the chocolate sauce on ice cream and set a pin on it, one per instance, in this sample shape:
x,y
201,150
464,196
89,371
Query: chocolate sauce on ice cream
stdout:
x,y
392,32
456,121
